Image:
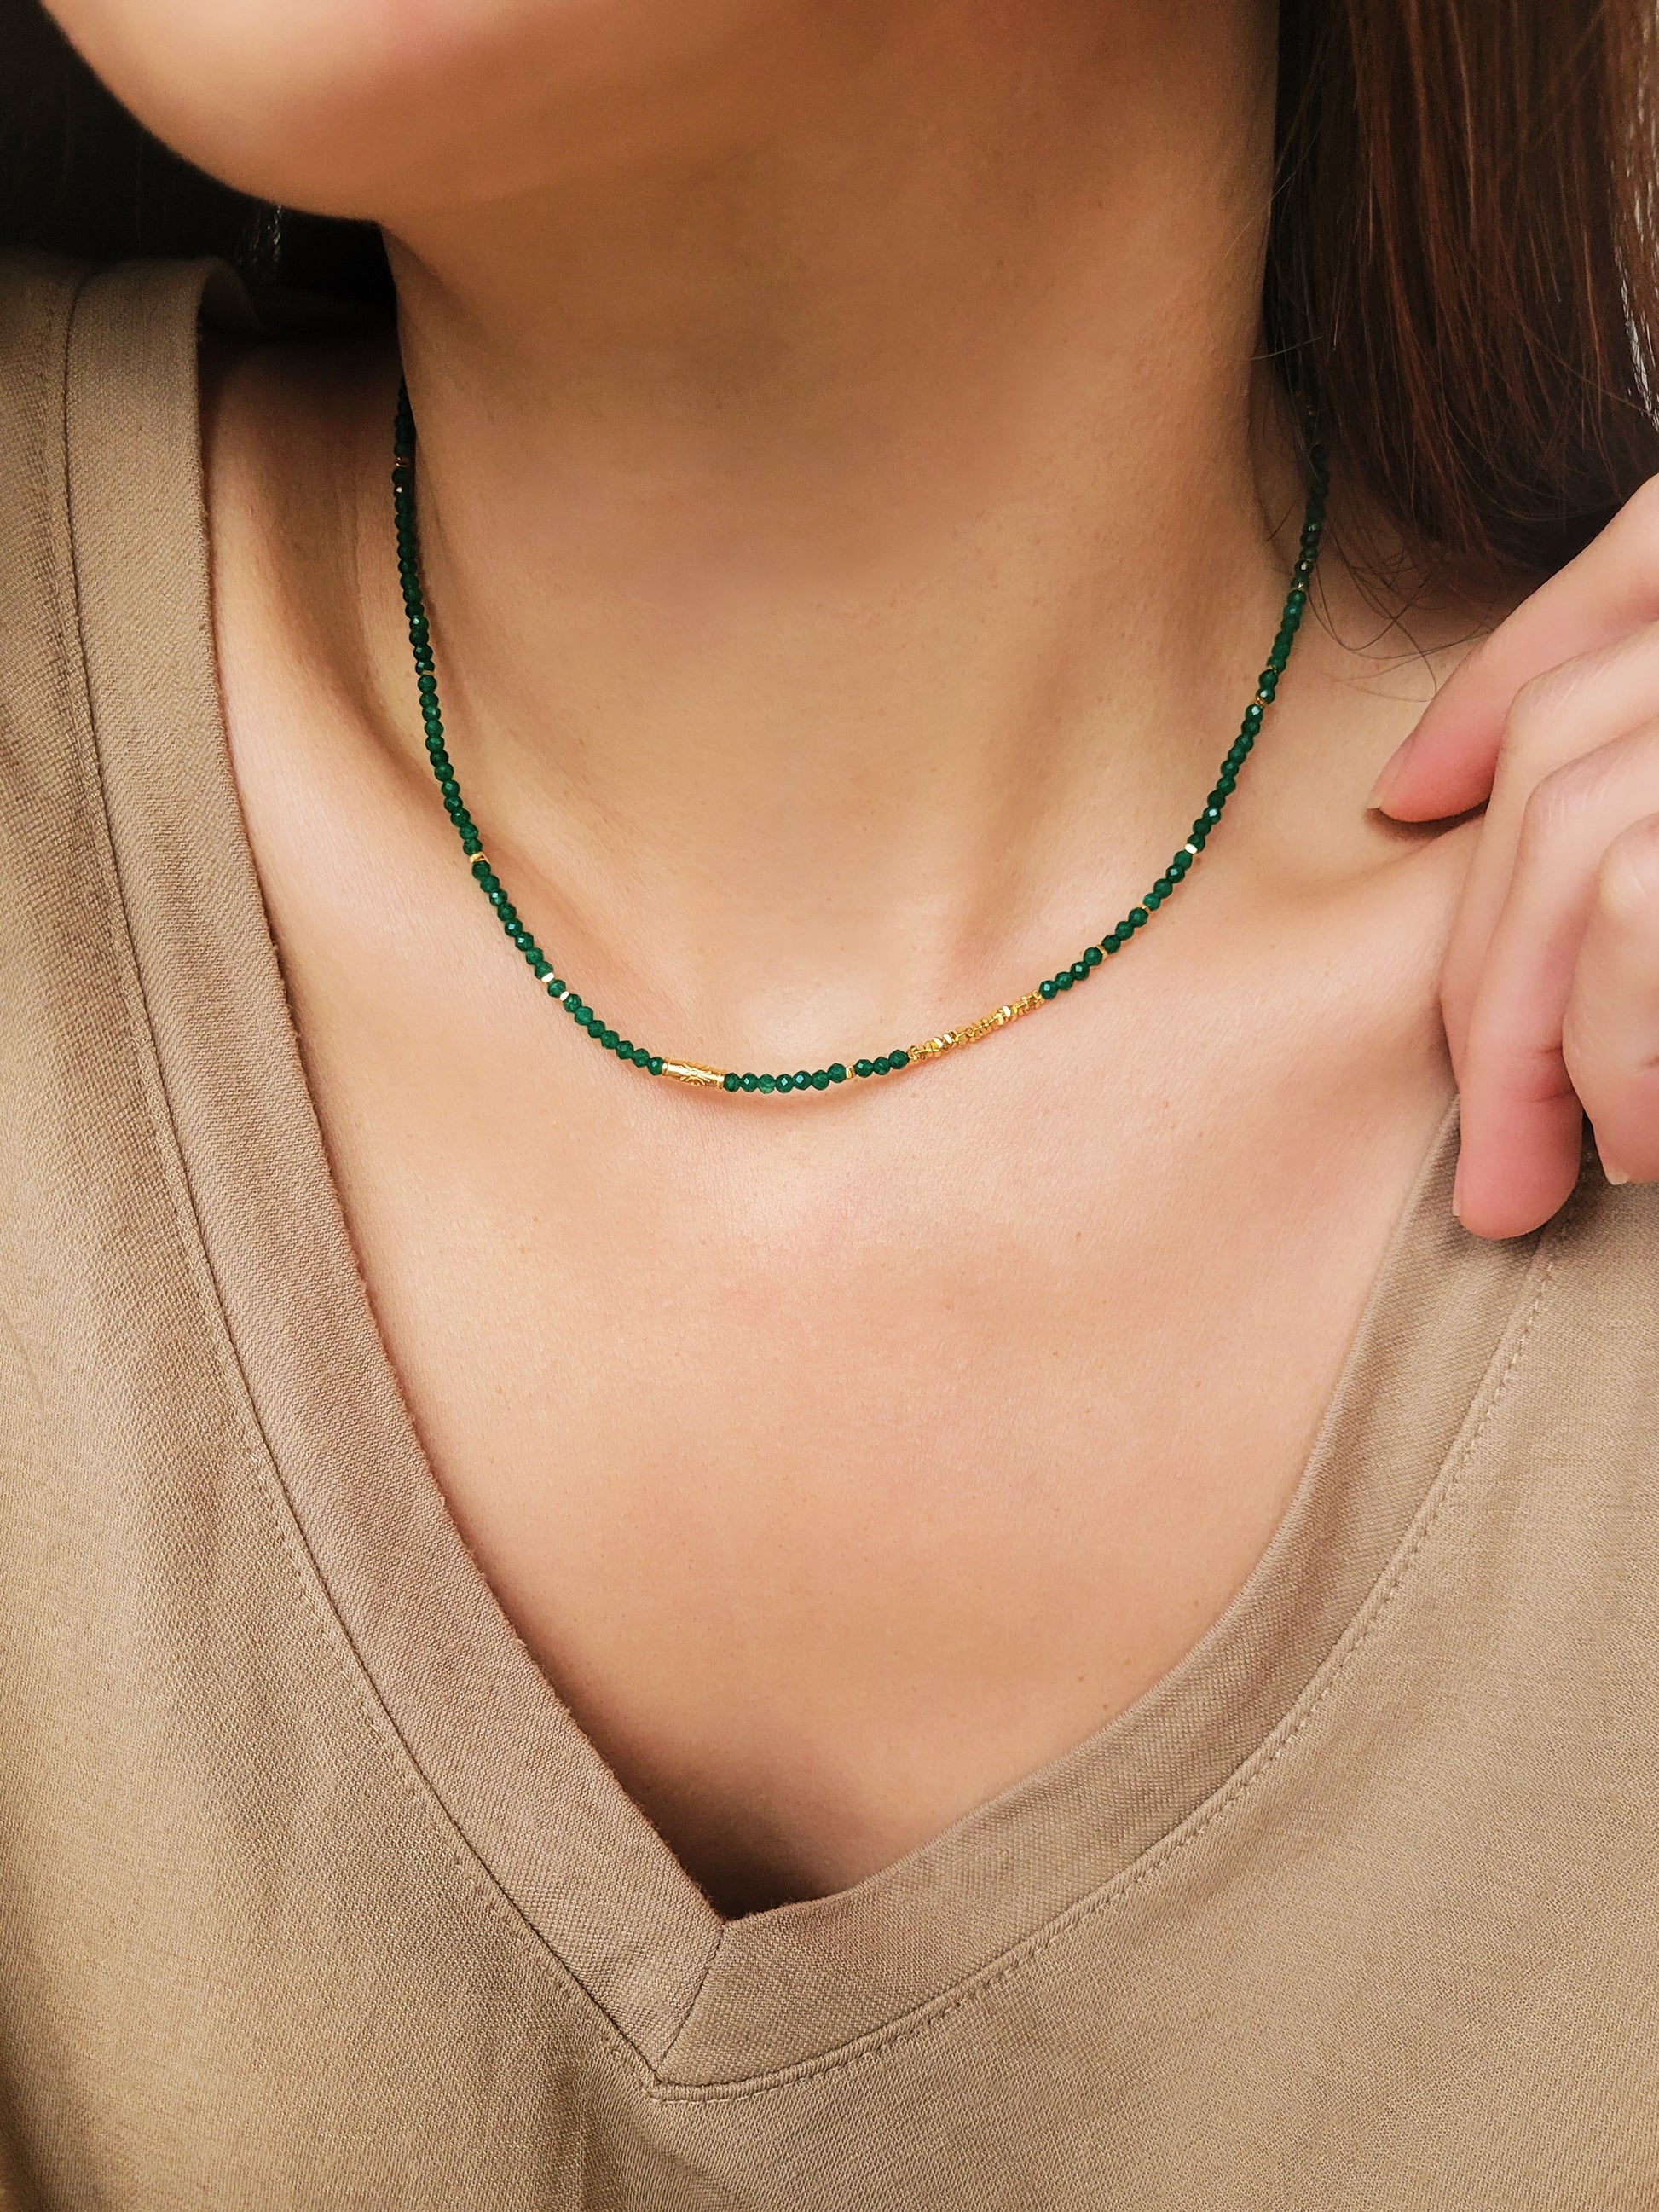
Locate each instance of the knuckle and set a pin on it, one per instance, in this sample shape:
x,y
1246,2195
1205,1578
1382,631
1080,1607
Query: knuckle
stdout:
x,y
1533,713
1627,880
1560,800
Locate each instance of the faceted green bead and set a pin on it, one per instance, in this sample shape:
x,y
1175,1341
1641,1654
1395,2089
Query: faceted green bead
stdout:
x,y
1047,988
767,1084
863,1068
820,1078
1155,898
803,1078
837,1072
623,1048
881,1064
750,1082
607,1038
1094,956
1063,980
1137,916
898,1060
656,1063
785,1083
1079,971
732,1083
556,986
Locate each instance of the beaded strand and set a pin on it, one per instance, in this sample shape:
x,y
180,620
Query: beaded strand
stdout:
x,y
887,1063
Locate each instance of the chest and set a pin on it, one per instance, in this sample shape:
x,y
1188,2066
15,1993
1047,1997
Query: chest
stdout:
x,y
843,1459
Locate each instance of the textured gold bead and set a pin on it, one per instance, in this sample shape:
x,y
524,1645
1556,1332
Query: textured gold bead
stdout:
x,y
971,1032
687,1070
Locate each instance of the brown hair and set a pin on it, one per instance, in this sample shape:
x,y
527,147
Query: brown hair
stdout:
x,y
1460,270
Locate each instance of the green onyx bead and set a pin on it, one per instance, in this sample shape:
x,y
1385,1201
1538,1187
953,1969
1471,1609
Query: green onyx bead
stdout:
x,y
750,1082
880,1065
820,1078
1137,917
623,1048
863,1068
655,1063
837,1072
606,1038
1109,943
784,1083
1079,971
732,1083
1047,988
898,1059
1063,980
556,986
579,1013
767,1084
1093,956
1154,899
803,1078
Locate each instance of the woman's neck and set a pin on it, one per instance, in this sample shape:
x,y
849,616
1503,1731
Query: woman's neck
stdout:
x,y
842,523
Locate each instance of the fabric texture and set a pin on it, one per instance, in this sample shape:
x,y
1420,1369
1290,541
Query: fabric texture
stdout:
x,y
312,1894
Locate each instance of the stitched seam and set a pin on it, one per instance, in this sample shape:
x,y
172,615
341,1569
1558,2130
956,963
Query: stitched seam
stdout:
x,y
1168,1848
343,1655
701,1984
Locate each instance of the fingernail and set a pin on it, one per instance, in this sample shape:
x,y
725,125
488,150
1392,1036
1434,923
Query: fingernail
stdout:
x,y
1391,768
1612,1173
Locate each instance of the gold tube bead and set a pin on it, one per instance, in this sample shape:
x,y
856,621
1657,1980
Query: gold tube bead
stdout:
x,y
971,1032
687,1070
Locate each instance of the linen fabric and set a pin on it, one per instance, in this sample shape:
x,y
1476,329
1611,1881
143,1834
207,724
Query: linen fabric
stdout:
x,y
312,1895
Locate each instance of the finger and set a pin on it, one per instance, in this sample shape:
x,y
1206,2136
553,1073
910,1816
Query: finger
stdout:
x,y
1445,767
1520,1119
1611,1038
1554,719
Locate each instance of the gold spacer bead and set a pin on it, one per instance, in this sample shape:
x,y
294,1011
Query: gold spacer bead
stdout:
x,y
687,1070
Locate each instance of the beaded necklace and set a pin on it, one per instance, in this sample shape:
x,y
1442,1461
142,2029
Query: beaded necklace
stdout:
x,y
884,1063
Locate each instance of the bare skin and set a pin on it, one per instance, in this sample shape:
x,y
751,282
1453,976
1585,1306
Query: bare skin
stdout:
x,y
849,551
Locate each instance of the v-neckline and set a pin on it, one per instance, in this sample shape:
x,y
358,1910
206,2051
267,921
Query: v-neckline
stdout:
x,y
523,1794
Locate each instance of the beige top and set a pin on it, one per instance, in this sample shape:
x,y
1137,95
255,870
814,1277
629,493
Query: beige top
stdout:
x,y
312,1895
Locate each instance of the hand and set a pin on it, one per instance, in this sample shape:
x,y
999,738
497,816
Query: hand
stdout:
x,y
1551,986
